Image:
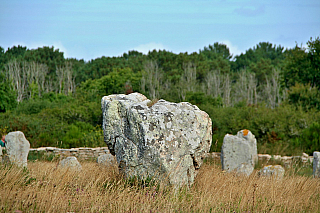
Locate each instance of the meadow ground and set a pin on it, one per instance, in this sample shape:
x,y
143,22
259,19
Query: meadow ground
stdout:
x,y
44,188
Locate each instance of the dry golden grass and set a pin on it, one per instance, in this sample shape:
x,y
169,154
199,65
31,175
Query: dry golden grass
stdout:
x,y
43,188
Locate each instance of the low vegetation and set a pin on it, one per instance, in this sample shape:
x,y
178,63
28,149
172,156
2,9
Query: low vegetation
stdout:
x,y
44,188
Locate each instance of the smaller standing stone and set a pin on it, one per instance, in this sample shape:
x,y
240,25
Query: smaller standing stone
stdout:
x,y
316,164
107,160
275,171
239,153
17,147
71,163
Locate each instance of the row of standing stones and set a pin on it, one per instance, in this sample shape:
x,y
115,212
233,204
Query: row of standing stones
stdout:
x,y
167,141
170,140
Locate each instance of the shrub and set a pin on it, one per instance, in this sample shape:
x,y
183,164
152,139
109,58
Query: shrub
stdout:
x,y
310,139
304,96
276,130
32,107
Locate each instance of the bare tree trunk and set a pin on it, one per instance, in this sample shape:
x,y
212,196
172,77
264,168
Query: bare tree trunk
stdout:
x,y
188,80
245,88
272,89
190,76
65,78
226,91
49,85
69,78
15,72
213,84
60,77
152,79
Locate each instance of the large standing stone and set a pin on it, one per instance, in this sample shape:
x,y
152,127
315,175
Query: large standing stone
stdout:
x,y
70,163
239,153
316,164
166,140
17,147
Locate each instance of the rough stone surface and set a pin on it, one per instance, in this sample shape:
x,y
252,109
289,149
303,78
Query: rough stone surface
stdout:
x,y
244,169
275,171
239,153
107,160
166,140
70,163
17,147
316,164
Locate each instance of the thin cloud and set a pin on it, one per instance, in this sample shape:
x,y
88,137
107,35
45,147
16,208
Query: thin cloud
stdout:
x,y
250,11
234,50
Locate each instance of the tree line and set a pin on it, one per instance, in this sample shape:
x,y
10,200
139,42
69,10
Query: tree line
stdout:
x,y
64,93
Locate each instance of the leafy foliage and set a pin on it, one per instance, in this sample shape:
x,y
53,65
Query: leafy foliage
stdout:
x,y
8,96
304,96
269,90
310,139
303,67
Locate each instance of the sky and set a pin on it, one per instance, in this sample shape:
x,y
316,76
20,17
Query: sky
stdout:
x,y
95,28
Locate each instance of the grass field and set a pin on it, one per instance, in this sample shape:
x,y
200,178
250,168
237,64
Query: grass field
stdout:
x,y
44,188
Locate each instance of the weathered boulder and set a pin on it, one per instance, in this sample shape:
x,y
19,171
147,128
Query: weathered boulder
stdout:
x,y
70,163
17,147
107,160
274,171
165,140
239,153
316,164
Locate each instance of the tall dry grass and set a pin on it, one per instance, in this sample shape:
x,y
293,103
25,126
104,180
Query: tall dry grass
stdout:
x,y
44,188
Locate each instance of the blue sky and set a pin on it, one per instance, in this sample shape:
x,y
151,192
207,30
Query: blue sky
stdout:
x,y
90,29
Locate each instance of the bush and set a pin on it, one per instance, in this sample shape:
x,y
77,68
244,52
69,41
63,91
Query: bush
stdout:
x,y
304,96
201,99
32,107
276,130
310,139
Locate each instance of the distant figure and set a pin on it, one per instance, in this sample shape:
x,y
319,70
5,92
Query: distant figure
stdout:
x,y
3,141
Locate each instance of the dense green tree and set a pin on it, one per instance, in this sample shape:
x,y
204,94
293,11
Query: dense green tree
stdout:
x,y
99,67
215,51
304,96
297,66
15,52
7,95
113,83
262,69
314,58
46,55
2,58
302,66
202,100
310,139
132,53
263,50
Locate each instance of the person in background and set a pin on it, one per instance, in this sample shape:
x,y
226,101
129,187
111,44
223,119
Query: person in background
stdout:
x,y
2,141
